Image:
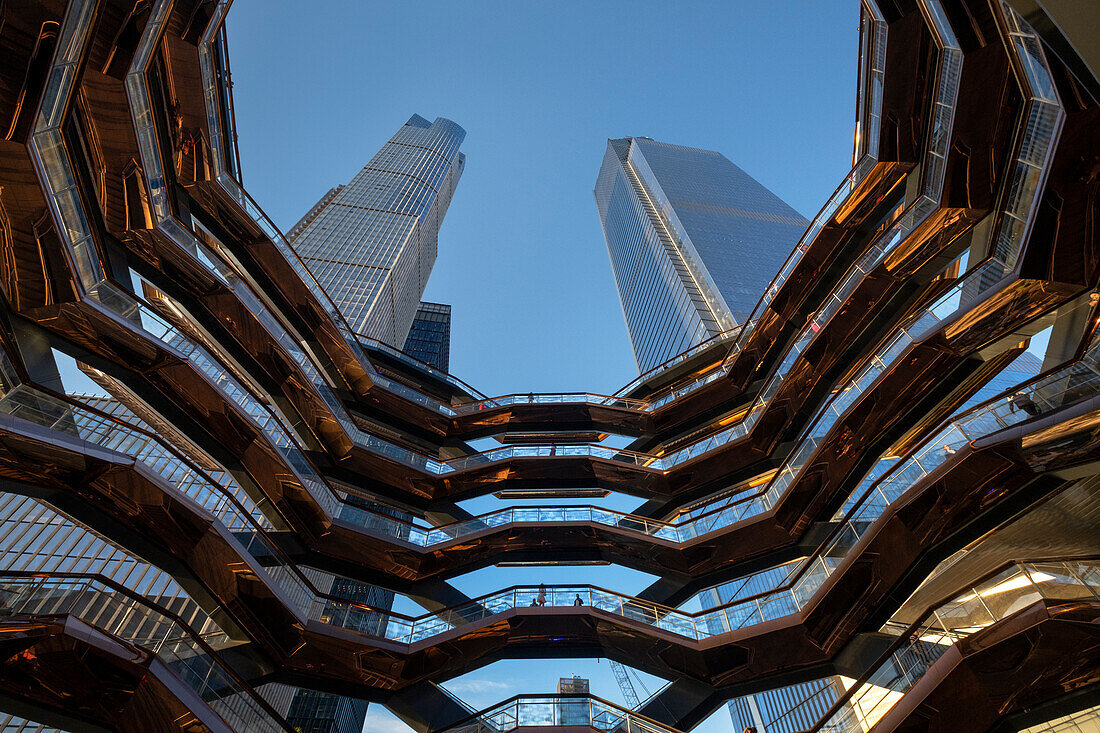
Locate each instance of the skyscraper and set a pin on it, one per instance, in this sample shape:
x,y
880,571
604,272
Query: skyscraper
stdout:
x,y
429,338
693,240
371,243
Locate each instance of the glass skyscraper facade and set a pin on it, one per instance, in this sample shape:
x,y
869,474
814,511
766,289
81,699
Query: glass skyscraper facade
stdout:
x,y
320,712
693,240
429,338
372,243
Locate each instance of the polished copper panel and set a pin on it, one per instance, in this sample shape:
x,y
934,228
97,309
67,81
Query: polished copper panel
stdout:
x,y
1043,652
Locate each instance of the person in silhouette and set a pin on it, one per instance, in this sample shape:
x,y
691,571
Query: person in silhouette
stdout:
x,y
577,601
1022,401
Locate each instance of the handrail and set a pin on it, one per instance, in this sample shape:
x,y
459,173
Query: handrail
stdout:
x,y
1001,411
39,580
236,191
373,343
683,356
49,154
912,637
68,402
558,709
859,172
301,589
1027,404
1022,405
802,583
1033,155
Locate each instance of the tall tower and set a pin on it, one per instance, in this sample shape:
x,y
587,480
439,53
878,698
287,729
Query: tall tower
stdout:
x,y
693,240
371,243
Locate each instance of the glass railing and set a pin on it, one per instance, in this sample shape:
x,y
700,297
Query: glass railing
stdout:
x,y
957,300
1039,397
558,711
650,404
891,478
688,354
882,486
553,398
213,262
482,402
840,195
538,515
919,646
421,366
213,489
947,305
228,502
1048,394
867,130
411,630
785,601
676,391
59,181
1039,133
1043,396
872,72
192,657
618,455
938,138
696,627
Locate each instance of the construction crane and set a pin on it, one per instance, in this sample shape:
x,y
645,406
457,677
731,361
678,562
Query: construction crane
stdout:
x,y
622,676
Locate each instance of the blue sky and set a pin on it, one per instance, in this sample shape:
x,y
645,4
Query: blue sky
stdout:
x,y
539,88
